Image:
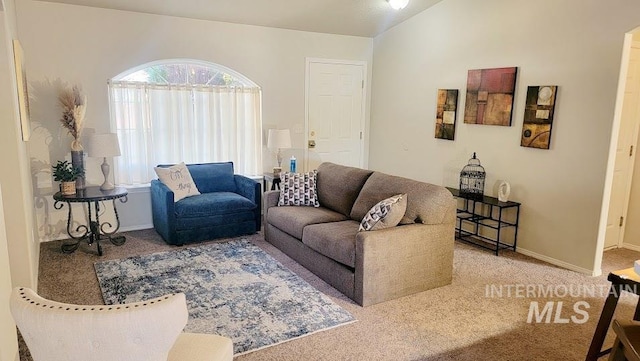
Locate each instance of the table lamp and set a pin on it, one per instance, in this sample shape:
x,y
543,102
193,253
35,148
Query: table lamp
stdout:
x,y
279,139
103,145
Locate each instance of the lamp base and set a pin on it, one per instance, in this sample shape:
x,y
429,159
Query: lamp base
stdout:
x,y
106,186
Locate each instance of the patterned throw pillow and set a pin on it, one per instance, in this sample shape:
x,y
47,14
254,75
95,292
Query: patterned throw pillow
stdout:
x,y
385,214
299,189
178,179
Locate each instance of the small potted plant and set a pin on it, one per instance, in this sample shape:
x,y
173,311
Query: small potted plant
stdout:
x,y
65,173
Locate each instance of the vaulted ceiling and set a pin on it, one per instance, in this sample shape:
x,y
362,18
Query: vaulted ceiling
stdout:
x,y
366,18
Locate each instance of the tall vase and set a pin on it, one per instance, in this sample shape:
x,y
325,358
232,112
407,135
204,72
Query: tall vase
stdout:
x,y
77,161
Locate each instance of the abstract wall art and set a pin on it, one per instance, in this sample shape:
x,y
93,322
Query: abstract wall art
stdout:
x,y
538,116
23,94
447,105
490,94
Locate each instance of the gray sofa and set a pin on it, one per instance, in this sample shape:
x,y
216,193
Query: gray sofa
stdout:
x,y
369,266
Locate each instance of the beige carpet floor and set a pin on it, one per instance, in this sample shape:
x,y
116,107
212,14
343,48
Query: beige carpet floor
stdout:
x,y
455,322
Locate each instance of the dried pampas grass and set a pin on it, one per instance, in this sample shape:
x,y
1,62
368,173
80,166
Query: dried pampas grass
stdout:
x,y
74,106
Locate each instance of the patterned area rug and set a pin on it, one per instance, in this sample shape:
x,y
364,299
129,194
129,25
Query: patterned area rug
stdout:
x,y
233,289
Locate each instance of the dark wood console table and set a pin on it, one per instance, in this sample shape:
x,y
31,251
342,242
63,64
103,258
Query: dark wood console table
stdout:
x,y
481,214
94,230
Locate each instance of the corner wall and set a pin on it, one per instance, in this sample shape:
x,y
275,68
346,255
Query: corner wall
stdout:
x,y
574,44
16,178
18,250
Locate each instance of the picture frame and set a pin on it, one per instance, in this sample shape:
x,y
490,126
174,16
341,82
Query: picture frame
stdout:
x,y
22,89
490,96
538,116
446,111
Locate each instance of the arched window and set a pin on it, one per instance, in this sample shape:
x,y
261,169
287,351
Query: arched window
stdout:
x,y
188,111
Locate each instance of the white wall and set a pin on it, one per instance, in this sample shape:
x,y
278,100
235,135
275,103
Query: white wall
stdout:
x,y
18,249
8,336
87,46
16,179
574,44
632,225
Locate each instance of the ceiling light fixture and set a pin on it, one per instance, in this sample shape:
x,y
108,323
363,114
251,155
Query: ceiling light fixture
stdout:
x,y
398,4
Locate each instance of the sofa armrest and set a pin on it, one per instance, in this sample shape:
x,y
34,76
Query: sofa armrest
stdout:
x,y
270,200
251,190
403,260
248,188
163,210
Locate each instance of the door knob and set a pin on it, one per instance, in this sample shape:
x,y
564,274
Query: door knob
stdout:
x,y
312,144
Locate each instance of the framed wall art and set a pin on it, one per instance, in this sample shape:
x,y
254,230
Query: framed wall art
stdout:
x,y
23,94
490,94
446,109
538,116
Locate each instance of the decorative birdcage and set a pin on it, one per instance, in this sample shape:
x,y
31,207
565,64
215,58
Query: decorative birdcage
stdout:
x,y
472,179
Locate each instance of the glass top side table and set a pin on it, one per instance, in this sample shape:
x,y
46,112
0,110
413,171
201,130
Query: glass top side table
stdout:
x,y
94,230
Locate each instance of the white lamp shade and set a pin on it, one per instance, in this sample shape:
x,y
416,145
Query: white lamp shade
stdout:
x,y
279,139
398,4
103,145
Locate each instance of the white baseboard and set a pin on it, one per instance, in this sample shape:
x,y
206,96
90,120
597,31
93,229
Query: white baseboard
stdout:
x,y
633,247
558,262
122,229
137,227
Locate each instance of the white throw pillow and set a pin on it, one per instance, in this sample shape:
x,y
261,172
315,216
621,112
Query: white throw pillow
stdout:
x,y
385,214
178,179
299,189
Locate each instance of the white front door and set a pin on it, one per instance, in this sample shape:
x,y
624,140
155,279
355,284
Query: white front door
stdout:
x,y
335,113
623,169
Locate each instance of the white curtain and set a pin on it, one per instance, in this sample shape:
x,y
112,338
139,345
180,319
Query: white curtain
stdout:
x,y
166,124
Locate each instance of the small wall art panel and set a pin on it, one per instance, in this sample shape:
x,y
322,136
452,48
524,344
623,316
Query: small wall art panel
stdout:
x,y
447,106
490,96
538,116
23,94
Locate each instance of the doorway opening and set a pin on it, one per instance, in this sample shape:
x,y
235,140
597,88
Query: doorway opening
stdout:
x,y
622,182
335,100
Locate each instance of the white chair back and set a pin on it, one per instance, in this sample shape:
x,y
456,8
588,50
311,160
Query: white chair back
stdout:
x,y
141,331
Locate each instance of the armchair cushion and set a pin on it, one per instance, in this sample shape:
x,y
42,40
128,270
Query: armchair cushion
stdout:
x,y
201,347
213,204
178,179
213,177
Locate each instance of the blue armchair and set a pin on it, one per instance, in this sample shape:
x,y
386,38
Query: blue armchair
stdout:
x,y
229,205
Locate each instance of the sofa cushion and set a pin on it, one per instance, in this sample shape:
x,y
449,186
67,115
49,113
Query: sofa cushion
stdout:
x,y
213,204
426,203
292,220
299,189
338,186
385,214
177,178
336,240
